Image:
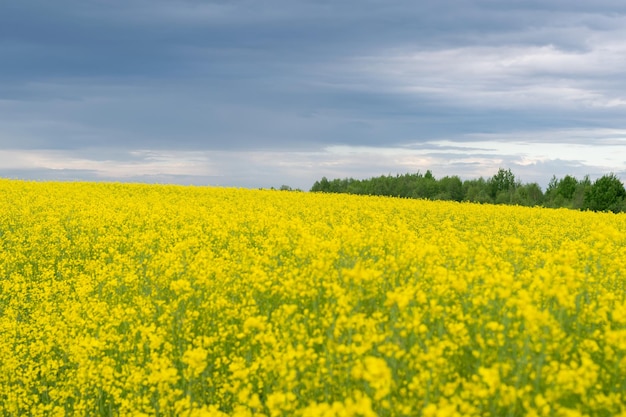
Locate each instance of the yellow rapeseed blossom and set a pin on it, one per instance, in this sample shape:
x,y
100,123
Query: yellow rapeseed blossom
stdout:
x,y
151,300
196,361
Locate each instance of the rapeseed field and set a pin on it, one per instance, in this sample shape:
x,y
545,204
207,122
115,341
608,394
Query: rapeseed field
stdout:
x,y
149,300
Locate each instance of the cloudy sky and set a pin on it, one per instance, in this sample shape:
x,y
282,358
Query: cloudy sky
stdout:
x,y
252,93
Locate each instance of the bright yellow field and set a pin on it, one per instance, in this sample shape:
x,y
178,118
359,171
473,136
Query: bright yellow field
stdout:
x,y
162,300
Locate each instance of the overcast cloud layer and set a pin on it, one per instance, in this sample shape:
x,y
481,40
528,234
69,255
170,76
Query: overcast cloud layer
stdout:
x,y
264,93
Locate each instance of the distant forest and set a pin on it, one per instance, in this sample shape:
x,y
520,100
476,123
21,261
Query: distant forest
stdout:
x,y
605,194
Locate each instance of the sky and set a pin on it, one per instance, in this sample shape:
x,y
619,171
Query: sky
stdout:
x,y
259,94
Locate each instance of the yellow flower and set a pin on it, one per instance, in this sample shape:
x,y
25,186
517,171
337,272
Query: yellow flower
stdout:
x,y
196,361
135,299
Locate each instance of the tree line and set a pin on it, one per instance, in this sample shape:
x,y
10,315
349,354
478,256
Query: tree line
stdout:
x,y
604,194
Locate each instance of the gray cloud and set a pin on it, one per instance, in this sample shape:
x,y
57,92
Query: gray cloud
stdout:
x,y
428,84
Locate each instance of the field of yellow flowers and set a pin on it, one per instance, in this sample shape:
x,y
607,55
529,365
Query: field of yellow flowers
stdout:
x,y
195,301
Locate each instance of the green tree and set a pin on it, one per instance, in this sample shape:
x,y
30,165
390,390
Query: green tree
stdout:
x,y
528,195
583,186
502,186
321,186
606,194
451,188
567,187
476,191
550,196
560,193
426,187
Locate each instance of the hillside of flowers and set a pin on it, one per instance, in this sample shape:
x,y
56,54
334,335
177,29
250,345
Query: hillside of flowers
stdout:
x,y
153,300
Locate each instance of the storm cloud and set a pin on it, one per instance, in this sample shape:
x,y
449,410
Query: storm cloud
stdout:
x,y
259,94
